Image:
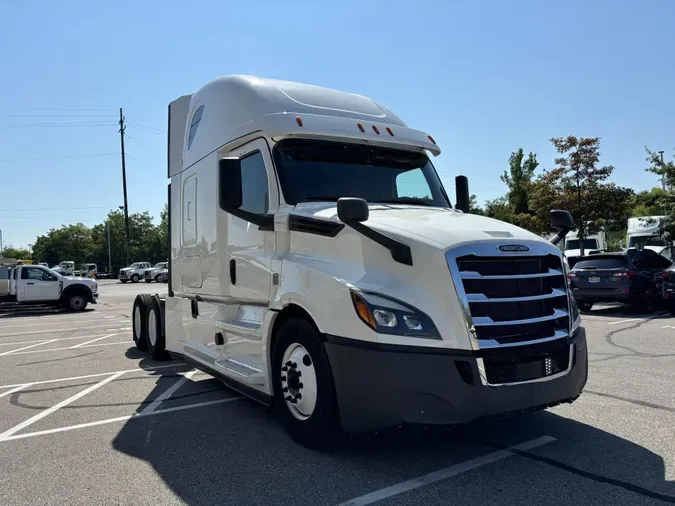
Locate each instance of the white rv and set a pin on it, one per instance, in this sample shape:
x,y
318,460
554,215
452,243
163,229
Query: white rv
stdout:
x,y
645,231
592,244
317,263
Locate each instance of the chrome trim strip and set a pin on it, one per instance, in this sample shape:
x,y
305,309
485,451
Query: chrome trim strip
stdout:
x,y
492,343
480,297
484,381
476,275
486,321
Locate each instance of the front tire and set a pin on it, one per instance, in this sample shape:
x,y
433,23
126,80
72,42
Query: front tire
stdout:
x,y
140,324
156,341
135,278
123,280
304,391
76,302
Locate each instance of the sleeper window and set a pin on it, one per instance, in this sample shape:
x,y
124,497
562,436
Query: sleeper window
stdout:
x,y
194,124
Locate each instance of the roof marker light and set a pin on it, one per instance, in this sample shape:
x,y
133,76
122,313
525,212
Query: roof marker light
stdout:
x,y
298,120
431,139
390,132
376,130
361,127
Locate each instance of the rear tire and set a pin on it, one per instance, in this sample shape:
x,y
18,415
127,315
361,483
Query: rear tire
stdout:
x,y
139,323
123,280
155,329
584,305
304,391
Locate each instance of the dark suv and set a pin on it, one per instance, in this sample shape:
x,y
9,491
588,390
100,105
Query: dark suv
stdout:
x,y
632,277
668,288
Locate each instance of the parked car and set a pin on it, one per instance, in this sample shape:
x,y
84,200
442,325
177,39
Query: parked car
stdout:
x,y
631,277
134,272
152,274
163,276
668,288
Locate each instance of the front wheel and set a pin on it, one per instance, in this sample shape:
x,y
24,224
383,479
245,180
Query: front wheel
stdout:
x,y
76,302
135,278
304,390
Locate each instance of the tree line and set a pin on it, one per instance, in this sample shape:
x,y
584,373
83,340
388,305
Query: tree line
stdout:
x,y
578,182
82,244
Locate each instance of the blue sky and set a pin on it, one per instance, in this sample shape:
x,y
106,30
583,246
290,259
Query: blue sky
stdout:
x,y
483,77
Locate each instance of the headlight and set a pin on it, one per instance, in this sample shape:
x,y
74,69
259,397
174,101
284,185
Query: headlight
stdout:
x,y
388,316
575,316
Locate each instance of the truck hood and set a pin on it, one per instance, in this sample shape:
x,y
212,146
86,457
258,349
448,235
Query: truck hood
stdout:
x,y
79,281
433,225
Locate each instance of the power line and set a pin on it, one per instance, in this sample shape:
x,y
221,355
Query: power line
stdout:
x,y
13,210
146,128
57,116
63,109
59,157
60,125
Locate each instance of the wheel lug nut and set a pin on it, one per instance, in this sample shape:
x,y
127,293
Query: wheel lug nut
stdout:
x,y
289,398
299,373
284,368
299,396
299,385
283,378
284,390
288,363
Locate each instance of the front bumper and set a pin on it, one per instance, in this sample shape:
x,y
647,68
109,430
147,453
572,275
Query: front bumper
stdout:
x,y
386,386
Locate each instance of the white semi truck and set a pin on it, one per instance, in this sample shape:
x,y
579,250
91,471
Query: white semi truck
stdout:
x,y
36,285
645,232
317,264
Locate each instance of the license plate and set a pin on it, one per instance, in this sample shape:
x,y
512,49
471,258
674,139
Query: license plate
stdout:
x,y
594,279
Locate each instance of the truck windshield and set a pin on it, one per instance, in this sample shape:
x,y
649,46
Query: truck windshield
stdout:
x,y
159,265
135,265
311,171
588,244
645,240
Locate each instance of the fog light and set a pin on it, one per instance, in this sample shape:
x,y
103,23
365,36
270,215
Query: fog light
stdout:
x,y
385,318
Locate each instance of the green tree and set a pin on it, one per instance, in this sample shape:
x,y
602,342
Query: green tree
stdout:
x,y
519,180
650,202
666,170
70,242
16,253
474,207
579,185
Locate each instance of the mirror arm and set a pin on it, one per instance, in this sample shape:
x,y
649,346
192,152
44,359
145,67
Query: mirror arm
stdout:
x,y
400,252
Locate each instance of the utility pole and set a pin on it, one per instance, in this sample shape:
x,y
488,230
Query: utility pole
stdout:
x,y
107,223
663,176
124,184
0,242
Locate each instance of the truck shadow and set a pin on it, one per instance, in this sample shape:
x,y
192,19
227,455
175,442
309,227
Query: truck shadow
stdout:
x,y
40,312
238,453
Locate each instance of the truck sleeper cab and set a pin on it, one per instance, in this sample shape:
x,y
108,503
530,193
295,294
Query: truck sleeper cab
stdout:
x,y
317,263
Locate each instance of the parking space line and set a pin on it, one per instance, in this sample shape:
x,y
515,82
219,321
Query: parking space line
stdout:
x,y
168,392
16,389
97,375
117,419
80,345
84,328
52,324
653,317
26,347
448,472
11,354
53,340
58,406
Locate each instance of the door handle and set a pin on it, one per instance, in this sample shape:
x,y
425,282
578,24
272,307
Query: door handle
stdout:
x,y
30,283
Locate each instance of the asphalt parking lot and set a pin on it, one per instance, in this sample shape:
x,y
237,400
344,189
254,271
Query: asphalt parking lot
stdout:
x,y
86,419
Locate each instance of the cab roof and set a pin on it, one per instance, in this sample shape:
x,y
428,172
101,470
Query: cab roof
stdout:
x,y
234,106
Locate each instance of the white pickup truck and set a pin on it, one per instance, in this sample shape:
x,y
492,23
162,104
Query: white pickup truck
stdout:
x,y
38,285
66,268
134,272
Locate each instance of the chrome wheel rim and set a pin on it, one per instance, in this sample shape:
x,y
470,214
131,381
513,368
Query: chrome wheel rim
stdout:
x,y
152,327
298,381
137,321
77,302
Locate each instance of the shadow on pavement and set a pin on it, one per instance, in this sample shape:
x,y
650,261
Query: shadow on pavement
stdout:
x,y
237,453
45,312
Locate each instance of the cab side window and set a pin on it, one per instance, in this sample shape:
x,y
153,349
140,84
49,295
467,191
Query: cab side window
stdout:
x,y
194,124
253,180
36,274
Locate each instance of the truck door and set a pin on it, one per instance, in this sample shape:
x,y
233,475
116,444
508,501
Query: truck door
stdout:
x,y
38,284
250,247
250,251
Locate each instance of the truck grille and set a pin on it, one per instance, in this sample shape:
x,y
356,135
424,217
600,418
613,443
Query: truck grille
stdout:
x,y
147,273
514,303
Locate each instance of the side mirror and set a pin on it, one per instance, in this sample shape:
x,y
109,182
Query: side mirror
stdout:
x,y
229,183
352,209
561,220
462,193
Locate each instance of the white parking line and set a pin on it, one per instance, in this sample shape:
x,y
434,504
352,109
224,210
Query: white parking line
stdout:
x,y
80,345
16,352
117,419
53,340
97,375
169,392
16,389
448,472
105,319
26,347
108,327
56,407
